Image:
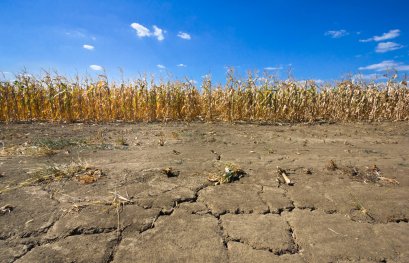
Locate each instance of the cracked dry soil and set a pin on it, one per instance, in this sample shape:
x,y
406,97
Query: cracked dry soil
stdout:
x,y
328,215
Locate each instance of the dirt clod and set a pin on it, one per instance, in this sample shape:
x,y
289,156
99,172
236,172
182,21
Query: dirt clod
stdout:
x,y
6,209
169,172
332,166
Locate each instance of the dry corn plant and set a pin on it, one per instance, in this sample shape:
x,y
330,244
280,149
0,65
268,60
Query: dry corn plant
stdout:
x,y
80,171
56,98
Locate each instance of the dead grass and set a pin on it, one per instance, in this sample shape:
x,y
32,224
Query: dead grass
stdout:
x,y
79,171
26,150
368,175
58,143
121,141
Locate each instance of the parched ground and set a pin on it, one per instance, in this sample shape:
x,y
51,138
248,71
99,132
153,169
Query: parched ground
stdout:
x,y
98,193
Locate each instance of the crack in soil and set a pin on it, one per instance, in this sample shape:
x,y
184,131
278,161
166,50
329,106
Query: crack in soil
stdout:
x,y
309,208
222,233
35,233
90,231
398,220
270,250
33,243
169,212
262,200
220,226
114,248
294,247
28,249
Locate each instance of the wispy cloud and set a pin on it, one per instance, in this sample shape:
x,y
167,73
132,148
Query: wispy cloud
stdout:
x,y
181,65
96,67
89,47
75,34
394,33
383,47
337,33
386,65
184,35
142,31
79,34
159,66
273,68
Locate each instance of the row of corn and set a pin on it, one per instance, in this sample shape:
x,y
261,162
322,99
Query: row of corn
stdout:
x,y
54,98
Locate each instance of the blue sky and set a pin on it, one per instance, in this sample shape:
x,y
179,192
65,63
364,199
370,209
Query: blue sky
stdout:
x,y
322,40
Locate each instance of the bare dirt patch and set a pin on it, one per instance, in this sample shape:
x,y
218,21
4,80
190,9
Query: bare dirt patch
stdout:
x,y
119,192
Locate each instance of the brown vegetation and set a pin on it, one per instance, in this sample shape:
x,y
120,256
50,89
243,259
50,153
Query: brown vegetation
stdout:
x,y
54,98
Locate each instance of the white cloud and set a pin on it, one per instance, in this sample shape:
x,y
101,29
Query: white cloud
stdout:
x,y
141,31
385,36
386,65
390,35
89,47
373,76
383,47
184,35
273,68
158,33
161,66
337,33
96,67
181,65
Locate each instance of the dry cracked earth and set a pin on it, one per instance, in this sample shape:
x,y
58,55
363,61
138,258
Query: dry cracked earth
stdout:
x,y
133,211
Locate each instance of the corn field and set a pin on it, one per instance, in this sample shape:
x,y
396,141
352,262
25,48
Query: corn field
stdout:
x,y
54,98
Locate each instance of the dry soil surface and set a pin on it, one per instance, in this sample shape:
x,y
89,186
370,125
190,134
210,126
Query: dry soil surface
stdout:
x,y
120,206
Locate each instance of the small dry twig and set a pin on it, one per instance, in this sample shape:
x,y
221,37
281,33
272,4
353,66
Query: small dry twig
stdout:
x,y
283,173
